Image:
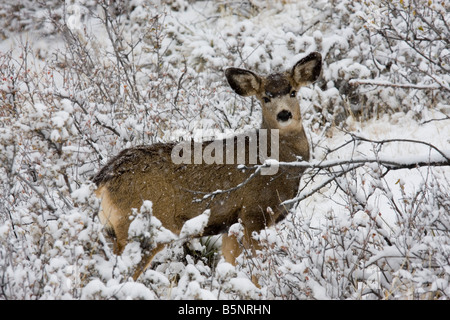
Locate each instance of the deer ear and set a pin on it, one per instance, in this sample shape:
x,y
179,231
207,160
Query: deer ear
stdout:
x,y
308,69
243,82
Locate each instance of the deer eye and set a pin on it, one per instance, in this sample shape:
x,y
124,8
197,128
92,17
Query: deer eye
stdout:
x,y
266,100
293,94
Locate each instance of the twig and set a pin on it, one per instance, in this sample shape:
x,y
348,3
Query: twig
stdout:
x,y
180,81
304,195
356,82
431,120
381,142
47,203
208,195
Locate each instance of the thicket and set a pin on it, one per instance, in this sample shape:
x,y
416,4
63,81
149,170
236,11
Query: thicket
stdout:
x,y
106,75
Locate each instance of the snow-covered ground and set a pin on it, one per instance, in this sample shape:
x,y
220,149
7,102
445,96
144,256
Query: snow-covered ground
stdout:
x,y
81,81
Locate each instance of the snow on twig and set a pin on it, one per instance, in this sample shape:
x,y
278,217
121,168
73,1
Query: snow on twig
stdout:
x,y
355,82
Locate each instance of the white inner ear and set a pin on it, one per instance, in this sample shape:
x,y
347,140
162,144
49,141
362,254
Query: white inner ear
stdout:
x,y
303,73
250,82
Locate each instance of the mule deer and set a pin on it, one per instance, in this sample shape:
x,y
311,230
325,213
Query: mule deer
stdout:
x,y
149,172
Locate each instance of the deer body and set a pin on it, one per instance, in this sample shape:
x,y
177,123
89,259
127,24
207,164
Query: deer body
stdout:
x,y
177,189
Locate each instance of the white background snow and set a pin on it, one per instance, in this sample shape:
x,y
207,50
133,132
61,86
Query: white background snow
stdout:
x,y
83,79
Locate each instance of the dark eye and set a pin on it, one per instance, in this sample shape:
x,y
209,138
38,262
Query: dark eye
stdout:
x,y
293,94
266,100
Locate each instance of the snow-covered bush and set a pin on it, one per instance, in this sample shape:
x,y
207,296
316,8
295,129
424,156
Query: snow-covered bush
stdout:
x,y
371,219
410,49
384,239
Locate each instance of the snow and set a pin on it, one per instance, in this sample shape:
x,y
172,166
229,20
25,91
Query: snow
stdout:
x,y
244,286
82,194
67,106
195,226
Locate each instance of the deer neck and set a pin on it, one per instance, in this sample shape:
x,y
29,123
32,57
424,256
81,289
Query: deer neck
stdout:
x,y
293,142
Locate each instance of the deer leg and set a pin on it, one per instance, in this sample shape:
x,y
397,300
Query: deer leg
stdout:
x,y
116,222
230,248
146,260
121,239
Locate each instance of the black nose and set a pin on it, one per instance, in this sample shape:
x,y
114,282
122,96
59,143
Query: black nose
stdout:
x,y
284,115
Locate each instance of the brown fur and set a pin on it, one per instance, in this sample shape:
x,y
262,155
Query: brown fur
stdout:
x,y
148,172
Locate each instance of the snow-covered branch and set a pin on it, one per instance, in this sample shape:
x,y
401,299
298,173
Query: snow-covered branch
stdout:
x,y
391,163
347,165
355,82
337,167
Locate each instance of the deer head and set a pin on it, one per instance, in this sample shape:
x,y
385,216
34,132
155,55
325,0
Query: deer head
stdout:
x,y
277,92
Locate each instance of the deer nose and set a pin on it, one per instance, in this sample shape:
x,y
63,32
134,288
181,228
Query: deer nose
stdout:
x,y
284,115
